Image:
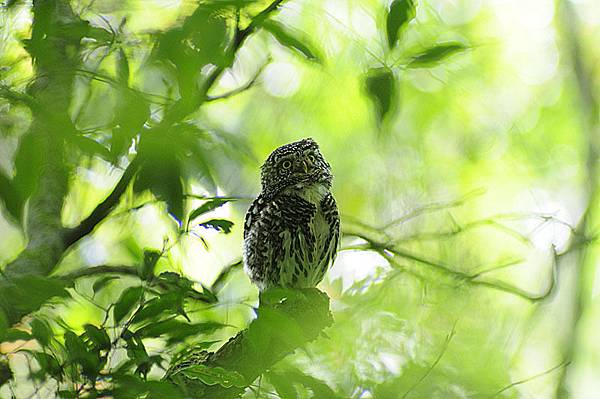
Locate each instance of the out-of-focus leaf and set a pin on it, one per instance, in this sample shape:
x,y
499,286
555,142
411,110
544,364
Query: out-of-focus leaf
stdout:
x,y
49,364
288,38
218,224
5,373
122,67
151,257
176,330
161,171
91,147
136,351
66,394
320,389
401,12
207,30
175,282
41,331
282,325
171,302
207,207
215,375
78,353
99,34
102,282
129,298
128,386
13,334
28,163
380,85
164,181
283,385
10,197
201,40
223,276
97,336
131,112
29,293
433,55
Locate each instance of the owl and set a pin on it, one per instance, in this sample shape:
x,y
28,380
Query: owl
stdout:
x,y
291,230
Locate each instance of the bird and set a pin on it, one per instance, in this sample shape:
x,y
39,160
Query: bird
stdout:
x,y
291,230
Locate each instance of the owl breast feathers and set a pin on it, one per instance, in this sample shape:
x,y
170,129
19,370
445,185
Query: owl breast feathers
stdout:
x,y
291,230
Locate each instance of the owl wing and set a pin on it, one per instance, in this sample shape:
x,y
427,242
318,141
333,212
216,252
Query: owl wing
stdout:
x,y
330,211
266,220
262,228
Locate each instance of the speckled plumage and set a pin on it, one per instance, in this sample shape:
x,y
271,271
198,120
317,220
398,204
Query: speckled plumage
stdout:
x,y
291,230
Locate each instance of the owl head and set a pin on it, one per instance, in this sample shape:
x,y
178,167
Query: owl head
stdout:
x,y
295,165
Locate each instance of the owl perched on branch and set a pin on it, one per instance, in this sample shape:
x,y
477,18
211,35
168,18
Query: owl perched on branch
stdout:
x,y
291,230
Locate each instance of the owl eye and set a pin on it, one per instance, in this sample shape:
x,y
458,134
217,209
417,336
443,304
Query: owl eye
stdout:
x,y
286,164
311,158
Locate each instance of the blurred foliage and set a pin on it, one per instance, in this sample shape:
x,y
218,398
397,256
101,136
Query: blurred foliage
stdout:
x,y
453,130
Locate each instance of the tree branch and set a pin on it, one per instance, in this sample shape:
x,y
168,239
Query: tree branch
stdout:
x,y
435,362
103,269
590,124
282,326
238,90
53,47
101,211
381,242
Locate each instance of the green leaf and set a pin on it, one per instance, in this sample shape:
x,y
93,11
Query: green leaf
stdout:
x,y
49,364
401,12
5,372
173,281
122,67
215,375
97,336
320,389
380,85
129,298
102,282
288,38
177,330
219,225
170,302
224,275
151,257
207,207
28,163
78,353
10,197
41,331
161,171
13,334
28,293
91,147
283,327
129,386
283,385
433,55
99,34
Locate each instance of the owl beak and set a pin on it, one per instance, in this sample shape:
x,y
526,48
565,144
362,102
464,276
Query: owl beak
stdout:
x,y
305,166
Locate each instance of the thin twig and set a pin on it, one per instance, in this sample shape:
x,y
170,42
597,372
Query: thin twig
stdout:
x,y
240,89
435,362
528,379
103,269
102,210
390,251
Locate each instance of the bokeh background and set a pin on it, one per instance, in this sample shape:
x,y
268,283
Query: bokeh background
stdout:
x,y
467,268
